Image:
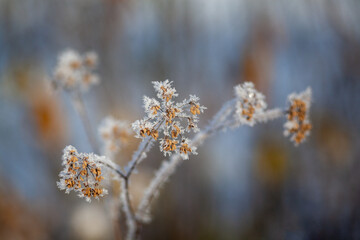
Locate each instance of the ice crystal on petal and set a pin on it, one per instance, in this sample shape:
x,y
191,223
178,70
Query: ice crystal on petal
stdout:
x,y
168,121
298,125
75,72
164,90
250,103
152,106
82,174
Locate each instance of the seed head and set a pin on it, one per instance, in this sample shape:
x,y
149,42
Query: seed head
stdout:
x,y
169,119
75,72
298,125
82,173
250,103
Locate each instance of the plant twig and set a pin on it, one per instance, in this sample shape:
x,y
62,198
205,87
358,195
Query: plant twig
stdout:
x,y
81,109
128,210
167,168
140,155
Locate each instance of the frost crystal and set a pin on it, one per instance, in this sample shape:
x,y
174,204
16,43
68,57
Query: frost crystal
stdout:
x,y
172,120
250,103
75,72
82,174
298,124
115,134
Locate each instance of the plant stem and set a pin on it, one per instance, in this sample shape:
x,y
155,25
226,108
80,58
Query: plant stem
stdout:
x,y
128,210
81,109
136,160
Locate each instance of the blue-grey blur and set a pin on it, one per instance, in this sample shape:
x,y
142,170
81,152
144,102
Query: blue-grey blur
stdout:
x,y
249,183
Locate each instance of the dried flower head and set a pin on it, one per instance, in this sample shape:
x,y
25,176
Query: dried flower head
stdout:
x,y
75,72
171,120
298,124
249,103
114,134
82,173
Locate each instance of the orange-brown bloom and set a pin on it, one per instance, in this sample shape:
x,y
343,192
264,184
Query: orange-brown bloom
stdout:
x,y
169,145
195,108
185,148
250,102
168,118
82,173
298,124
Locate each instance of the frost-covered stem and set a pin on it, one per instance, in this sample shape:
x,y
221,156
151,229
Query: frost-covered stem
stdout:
x,y
81,109
263,117
139,155
161,176
114,167
129,213
270,115
167,168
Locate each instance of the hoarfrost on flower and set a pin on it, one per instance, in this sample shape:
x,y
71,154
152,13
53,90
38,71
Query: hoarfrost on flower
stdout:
x,y
75,72
169,120
298,125
82,173
250,103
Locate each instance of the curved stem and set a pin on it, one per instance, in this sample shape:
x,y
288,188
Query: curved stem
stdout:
x,y
219,123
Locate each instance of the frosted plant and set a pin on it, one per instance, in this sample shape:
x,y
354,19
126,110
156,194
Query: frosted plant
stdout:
x,y
250,103
169,120
82,174
169,123
298,125
75,72
114,134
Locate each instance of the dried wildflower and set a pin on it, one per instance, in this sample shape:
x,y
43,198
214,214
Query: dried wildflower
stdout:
x,y
171,119
298,124
249,103
185,149
74,72
114,134
82,173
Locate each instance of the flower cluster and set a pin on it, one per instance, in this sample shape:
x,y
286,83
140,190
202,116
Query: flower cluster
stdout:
x,y
249,103
298,124
75,72
82,174
171,119
115,134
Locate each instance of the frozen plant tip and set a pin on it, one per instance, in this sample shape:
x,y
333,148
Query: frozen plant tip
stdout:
x,y
75,72
298,125
250,103
82,173
169,120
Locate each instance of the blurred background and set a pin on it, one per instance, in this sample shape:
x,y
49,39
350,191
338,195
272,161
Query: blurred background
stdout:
x,y
250,183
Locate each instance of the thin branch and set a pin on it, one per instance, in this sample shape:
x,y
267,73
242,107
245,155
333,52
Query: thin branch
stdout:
x,y
167,168
129,212
140,155
81,109
113,166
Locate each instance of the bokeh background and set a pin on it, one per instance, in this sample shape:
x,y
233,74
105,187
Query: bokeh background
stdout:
x,y
250,183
